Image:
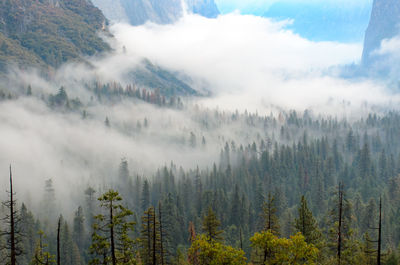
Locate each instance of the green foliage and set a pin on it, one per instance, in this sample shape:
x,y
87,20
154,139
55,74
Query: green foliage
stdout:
x,y
37,33
279,251
211,252
306,224
329,150
211,226
149,240
110,239
42,256
271,221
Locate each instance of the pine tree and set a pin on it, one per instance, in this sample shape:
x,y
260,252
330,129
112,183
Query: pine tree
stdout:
x,y
235,215
41,256
49,204
109,231
79,228
107,122
211,226
306,224
150,238
271,221
28,228
67,254
145,196
90,206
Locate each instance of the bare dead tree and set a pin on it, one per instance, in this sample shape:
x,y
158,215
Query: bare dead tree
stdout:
x,y
13,234
58,241
379,232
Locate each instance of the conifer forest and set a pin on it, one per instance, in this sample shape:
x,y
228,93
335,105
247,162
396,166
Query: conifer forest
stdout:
x,y
199,132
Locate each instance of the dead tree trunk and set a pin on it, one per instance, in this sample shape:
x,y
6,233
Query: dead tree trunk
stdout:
x,y
379,232
113,257
13,255
58,241
339,241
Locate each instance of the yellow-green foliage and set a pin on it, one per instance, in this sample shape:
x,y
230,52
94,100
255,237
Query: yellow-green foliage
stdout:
x,y
208,252
282,251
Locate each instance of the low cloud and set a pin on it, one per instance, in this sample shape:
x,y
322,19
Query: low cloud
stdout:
x,y
256,63
247,62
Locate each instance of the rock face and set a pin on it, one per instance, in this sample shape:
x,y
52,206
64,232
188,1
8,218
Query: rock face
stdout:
x,y
384,24
138,12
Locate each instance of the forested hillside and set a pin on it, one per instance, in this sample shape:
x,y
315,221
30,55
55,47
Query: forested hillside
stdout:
x,y
48,33
294,189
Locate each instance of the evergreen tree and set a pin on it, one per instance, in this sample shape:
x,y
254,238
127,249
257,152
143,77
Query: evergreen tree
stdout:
x,y
109,231
306,224
90,206
211,226
150,247
42,257
145,203
28,230
79,228
271,221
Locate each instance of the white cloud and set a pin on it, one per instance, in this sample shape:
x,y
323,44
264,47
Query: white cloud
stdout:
x,y
253,58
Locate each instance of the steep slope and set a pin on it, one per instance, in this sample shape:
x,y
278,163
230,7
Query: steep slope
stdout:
x,y
384,24
48,32
155,77
137,12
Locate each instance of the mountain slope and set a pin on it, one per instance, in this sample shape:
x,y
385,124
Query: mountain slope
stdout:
x,y
48,32
155,77
384,24
158,11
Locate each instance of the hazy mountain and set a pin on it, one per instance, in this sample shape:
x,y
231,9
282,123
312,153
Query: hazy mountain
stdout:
x,y
48,32
384,24
137,12
157,78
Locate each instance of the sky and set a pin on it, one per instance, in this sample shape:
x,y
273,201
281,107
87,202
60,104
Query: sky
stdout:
x,y
317,20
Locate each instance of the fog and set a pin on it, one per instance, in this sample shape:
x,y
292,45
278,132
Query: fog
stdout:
x,y
247,63
255,63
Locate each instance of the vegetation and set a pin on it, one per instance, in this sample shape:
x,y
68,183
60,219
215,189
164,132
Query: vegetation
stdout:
x,y
40,33
299,190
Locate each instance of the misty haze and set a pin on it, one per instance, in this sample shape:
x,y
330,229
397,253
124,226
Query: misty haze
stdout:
x,y
199,132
